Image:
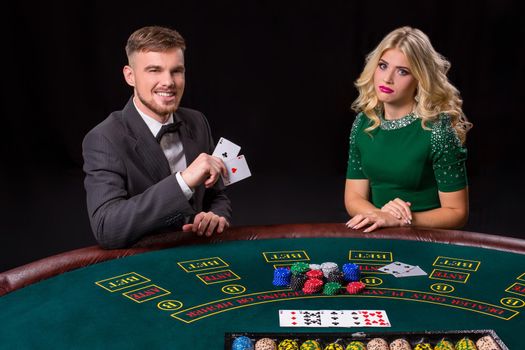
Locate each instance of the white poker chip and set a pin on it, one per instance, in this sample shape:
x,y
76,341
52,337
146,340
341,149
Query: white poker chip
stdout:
x,y
328,267
314,267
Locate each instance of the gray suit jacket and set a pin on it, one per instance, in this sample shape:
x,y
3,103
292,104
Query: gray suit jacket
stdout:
x,y
130,189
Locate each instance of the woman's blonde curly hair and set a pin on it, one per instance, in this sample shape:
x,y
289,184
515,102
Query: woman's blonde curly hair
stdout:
x,y
434,94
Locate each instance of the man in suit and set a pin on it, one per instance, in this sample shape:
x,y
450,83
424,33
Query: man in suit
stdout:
x,y
148,167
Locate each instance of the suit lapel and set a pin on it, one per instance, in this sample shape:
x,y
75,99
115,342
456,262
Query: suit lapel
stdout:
x,y
146,147
191,148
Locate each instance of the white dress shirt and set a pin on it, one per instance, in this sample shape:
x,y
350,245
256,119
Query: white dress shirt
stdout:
x,y
172,147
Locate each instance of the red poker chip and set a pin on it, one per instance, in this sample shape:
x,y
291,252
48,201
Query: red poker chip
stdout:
x,y
312,285
355,287
317,274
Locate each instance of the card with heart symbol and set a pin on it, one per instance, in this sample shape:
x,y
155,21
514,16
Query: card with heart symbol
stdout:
x,y
237,170
375,318
333,318
236,165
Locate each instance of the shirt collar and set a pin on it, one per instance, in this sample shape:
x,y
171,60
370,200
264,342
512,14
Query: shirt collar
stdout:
x,y
153,125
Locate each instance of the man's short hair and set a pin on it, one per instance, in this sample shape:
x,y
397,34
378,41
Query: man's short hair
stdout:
x,y
154,38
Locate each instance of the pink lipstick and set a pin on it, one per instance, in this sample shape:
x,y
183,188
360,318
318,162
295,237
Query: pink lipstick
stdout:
x,y
385,89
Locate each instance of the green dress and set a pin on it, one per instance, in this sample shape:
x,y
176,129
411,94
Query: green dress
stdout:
x,y
403,160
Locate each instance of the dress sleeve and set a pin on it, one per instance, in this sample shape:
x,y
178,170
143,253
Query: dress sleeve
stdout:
x,y
354,169
448,156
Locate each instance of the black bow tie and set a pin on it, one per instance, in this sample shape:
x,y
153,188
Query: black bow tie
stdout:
x,y
168,128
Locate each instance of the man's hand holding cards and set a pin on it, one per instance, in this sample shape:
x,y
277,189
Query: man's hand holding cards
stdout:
x,y
236,165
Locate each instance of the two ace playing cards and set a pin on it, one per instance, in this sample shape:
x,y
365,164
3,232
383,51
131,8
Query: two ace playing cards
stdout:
x,y
235,164
400,269
333,318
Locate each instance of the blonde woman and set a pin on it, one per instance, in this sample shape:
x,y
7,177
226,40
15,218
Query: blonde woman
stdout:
x,y
407,156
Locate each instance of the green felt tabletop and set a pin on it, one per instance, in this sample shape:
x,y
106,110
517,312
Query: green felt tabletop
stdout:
x,y
189,297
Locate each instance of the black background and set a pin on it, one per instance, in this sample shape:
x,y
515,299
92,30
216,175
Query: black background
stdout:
x,y
272,76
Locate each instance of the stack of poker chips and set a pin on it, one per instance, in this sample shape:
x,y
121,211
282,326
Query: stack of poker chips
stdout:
x,y
377,344
487,343
331,288
315,274
312,286
310,344
444,344
288,344
401,344
356,345
351,272
242,343
465,344
355,287
272,342
265,344
281,277
334,346
297,281
325,278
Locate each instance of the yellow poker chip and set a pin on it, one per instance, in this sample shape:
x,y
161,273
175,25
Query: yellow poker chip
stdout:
x,y
310,345
423,346
334,346
465,344
444,344
288,344
355,345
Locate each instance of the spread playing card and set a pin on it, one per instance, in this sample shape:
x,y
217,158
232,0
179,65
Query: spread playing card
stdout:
x,y
375,318
312,318
237,170
290,318
355,319
226,149
300,318
396,268
416,271
333,318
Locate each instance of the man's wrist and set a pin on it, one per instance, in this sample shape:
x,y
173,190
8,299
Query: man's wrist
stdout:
x,y
187,190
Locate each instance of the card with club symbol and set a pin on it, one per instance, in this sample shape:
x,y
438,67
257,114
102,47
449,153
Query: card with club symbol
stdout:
x,y
236,165
333,318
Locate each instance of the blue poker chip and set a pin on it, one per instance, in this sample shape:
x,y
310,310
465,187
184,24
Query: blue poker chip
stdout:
x,y
281,277
351,272
242,343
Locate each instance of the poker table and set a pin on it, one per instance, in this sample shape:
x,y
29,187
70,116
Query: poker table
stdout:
x,y
182,291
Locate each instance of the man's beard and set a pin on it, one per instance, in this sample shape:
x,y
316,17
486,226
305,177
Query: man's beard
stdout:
x,y
158,109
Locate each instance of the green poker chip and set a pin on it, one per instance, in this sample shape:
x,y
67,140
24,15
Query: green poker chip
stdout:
x,y
299,268
331,288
